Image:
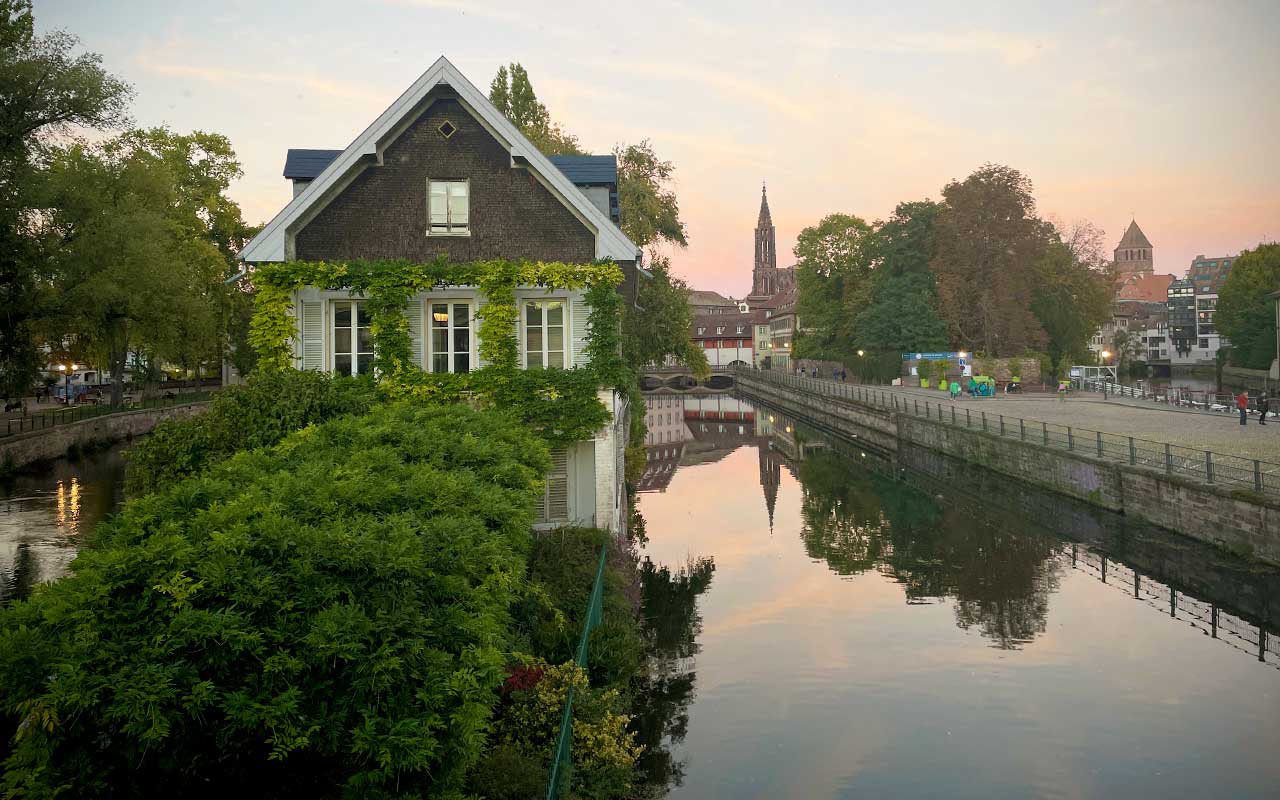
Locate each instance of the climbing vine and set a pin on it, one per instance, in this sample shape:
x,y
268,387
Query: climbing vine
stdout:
x,y
562,405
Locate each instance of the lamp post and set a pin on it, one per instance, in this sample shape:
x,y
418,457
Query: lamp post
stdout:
x,y
1106,356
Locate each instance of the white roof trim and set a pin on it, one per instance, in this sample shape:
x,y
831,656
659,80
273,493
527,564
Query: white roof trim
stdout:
x,y
273,242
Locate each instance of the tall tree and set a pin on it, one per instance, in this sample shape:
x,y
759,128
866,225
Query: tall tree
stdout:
x,y
987,239
901,315
661,329
1246,315
131,271
834,260
44,90
1070,300
512,93
650,213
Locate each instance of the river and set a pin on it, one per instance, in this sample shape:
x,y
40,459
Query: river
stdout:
x,y
45,516
847,629
825,625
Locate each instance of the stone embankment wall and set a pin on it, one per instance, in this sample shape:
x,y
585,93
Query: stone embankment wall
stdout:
x,y
24,449
1241,521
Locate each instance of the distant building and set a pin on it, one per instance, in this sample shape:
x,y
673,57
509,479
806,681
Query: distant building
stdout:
x,y
712,303
727,338
766,279
1209,274
1134,253
1181,304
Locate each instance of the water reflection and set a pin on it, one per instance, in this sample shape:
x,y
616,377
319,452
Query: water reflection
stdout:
x,y
846,670
44,517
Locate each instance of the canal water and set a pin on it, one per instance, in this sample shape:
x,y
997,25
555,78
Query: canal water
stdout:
x,y
830,626
46,516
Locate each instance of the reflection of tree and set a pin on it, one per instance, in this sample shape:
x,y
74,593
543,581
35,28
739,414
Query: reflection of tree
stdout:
x,y
858,519
661,706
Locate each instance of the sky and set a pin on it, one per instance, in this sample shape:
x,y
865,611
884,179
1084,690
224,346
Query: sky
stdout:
x,y
1166,112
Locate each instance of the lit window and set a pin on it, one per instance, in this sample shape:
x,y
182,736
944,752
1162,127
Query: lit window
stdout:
x,y
450,337
450,204
544,334
352,342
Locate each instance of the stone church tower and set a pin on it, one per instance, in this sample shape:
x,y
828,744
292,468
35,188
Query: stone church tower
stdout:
x,y
766,279
1133,254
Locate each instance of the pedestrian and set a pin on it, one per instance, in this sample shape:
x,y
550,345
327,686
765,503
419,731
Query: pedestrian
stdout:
x,y
1242,403
1062,391
955,391
1264,405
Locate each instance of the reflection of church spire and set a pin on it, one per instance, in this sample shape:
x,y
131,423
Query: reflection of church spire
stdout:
x,y
770,477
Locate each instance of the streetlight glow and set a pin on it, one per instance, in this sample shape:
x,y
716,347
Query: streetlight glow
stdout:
x,y
1106,354
859,354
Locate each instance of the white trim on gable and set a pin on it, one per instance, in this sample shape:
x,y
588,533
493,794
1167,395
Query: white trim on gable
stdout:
x,y
275,241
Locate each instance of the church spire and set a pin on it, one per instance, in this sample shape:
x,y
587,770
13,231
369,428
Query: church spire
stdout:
x,y
765,220
764,281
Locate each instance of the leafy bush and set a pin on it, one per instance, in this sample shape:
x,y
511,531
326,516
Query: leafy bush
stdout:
x,y
261,412
329,612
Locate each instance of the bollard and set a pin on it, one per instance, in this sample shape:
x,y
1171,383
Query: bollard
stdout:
x,y
1133,452
1208,465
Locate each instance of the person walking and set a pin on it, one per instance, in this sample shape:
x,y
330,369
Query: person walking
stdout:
x,y
955,391
1242,403
1264,405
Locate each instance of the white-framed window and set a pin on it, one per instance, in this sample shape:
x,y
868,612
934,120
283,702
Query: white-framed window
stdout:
x,y
701,331
741,329
719,329
448,208
544,334
352,341
450,340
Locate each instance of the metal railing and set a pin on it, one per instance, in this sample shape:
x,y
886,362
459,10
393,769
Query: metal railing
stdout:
x,y
1223,402
561,758
1206,466
56,416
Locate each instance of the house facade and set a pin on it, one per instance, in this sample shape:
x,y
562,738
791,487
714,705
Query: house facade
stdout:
x,y
442,172
727,339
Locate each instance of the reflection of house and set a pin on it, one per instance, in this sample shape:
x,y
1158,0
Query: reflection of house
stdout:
x,y
442,173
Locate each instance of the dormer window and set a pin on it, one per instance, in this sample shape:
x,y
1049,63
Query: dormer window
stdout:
x,y
449,208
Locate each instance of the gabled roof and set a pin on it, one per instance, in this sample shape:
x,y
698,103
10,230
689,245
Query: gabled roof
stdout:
x,y
273,242
699,297
302,164
1145,287
1133,237
588,170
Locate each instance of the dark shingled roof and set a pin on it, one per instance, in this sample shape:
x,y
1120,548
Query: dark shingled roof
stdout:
x,y
307,164
587,170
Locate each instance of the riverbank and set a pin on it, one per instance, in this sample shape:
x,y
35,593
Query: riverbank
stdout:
x,y
1104,471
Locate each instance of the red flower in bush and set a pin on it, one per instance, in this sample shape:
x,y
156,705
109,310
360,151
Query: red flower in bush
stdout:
x,y
520,678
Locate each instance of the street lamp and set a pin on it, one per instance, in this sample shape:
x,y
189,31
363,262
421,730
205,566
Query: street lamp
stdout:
x,y
860,354
1106,356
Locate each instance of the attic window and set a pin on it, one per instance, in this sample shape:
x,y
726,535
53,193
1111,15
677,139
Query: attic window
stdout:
x,y
447,129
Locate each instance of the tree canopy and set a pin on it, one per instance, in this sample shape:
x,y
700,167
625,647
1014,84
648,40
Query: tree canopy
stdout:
x,y
45,89
661,330
513,95
833,268
1246,315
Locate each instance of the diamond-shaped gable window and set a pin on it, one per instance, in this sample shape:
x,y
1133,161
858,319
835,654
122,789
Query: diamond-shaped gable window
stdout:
x,y
447,129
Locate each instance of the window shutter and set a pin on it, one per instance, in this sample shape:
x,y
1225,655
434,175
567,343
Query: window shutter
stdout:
x,y
414,313
554,504
578,315
312,334
479,312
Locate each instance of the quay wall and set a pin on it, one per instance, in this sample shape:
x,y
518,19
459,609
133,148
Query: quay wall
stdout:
x,y
24,449
1243,522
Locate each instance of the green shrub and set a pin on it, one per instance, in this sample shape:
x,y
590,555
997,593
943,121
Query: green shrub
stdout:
x,y
270,406
327,616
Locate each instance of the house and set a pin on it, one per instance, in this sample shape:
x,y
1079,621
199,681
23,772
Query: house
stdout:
x,y
727,339
441,172
708,302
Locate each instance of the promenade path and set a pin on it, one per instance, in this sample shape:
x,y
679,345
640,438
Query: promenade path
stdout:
x,y
1201,430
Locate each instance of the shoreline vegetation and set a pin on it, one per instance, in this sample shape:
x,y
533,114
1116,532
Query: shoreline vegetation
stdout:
x,y
311,589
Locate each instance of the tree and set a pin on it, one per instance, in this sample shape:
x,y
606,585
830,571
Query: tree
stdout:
x,y
513,95
1070,300
649,210
1125,347
902,313
131,270
987,237
1245,314
44,90
660,328
833,268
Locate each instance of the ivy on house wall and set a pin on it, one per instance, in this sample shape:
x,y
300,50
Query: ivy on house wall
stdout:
x,y
562,405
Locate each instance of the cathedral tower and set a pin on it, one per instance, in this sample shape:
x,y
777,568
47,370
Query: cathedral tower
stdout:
x,y
766,279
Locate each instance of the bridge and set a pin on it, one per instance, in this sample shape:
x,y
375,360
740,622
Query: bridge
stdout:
x,y
680,378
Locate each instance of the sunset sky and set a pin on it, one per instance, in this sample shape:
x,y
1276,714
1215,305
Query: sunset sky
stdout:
x,y
1166,111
